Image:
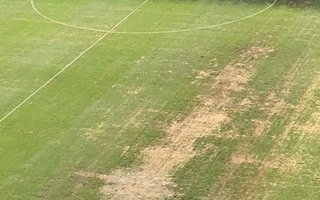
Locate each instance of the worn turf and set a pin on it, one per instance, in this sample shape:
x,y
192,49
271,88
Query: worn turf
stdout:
x,y
242,100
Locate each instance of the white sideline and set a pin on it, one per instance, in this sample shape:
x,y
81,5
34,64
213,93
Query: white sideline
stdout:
x,y
69,64
153,32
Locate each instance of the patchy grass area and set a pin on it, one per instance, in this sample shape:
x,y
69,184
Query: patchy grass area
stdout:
x,y
231,112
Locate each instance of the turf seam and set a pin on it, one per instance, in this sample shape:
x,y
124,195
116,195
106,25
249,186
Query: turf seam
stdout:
x,y
152,32
71,63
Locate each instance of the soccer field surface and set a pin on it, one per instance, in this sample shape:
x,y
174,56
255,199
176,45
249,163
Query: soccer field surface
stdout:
x,y
159,99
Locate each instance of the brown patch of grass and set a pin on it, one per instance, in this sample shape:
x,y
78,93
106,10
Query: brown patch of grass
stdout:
x,y
309,127
308,95
239,158
226,134
206,117
284,163
121,185
152,179
93,133
177,147
312,125
275,105
245,104
204,74
238,72
260,126
294,71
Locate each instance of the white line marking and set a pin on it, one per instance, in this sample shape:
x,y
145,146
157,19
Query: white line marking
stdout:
x,y
69,64
62,23
153,32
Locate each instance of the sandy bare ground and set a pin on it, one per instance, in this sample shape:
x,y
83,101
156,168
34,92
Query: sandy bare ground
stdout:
x,y
152,180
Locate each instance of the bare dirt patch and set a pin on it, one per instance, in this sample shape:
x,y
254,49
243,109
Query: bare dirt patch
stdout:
x,y
260,126
312,125
177,147
204,74
245,104
152,179
237,73
308,95
283,163
275,104
242,157
293,73
121,185
235,76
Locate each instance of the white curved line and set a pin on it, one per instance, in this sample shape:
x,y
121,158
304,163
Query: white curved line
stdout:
x,y
62,23
200,28
70,63
153,32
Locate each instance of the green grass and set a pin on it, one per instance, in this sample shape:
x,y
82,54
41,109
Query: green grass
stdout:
x,y
129,86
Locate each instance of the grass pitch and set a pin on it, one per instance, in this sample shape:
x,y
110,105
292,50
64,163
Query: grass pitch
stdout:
x,y
225,113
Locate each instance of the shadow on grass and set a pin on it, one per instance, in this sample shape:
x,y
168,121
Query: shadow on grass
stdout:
x,y
291,3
